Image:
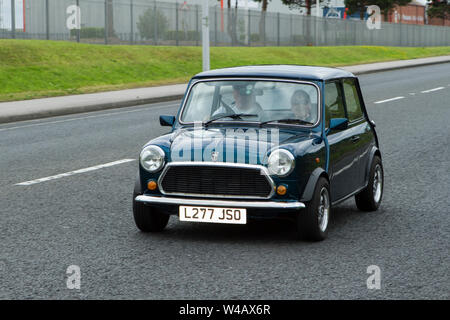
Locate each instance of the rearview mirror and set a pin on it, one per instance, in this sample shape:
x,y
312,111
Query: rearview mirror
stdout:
x,y
338,124
167,121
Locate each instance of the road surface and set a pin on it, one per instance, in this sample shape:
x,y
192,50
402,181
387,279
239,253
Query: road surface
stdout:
x,y
84,217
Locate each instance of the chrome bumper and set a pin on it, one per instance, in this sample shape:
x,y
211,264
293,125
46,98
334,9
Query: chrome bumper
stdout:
x,y
221,203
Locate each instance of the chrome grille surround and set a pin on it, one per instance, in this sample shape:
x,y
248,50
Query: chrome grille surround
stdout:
x,y
260,170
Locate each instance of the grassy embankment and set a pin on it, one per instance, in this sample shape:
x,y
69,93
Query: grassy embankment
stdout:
x,y
32,68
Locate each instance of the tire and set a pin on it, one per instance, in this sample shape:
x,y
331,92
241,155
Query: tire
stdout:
x,y
369,199
313,221
146,218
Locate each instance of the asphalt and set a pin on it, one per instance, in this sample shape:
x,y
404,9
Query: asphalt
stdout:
x,y
86,219
57,106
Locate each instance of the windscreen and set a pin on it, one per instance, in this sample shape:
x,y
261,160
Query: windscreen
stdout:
x,y
251,100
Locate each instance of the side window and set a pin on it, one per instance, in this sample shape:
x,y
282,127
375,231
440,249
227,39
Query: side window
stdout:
x,y
334,104
352,100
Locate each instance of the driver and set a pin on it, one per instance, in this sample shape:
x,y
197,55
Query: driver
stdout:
x,y
244,101
301,106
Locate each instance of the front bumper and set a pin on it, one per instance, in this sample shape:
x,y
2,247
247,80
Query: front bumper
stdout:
x,y
272,205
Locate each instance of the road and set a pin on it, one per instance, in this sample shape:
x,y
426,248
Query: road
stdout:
x,y
85,218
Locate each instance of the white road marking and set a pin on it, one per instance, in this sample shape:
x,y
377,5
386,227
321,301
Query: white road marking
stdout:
x,y
387,100
71,173
412,93
87,117
432,90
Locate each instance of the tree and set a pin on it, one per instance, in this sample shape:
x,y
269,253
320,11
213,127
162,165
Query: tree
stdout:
x,y
262,20
387,5
232,26
298,4
357,6
232,21
152,23
439,9
110,15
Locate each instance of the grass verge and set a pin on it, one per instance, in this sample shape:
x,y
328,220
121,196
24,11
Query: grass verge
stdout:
x,y
34,69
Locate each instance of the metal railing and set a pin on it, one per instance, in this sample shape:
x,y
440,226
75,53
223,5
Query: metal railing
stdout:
x,y
165,23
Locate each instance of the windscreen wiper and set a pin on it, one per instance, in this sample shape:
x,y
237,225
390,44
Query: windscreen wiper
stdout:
x,y
296,121
232,116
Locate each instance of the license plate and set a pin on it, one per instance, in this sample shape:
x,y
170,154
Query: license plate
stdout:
x,y
213,215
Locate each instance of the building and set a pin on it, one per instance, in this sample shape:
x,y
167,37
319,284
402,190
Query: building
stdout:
x,y
412,13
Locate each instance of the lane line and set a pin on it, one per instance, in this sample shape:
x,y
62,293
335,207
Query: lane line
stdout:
x,y
387,100
71,173
432,90
87,117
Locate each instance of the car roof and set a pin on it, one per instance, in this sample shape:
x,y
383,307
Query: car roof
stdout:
x,y
278,71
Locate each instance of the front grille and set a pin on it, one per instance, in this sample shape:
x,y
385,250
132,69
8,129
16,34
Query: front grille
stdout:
x,y
216,181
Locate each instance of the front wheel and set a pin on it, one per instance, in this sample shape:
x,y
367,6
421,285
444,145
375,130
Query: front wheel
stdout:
x,y
312,222
369,199
147,219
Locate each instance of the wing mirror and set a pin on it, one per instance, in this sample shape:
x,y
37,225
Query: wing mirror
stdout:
x,y
338,124
166,121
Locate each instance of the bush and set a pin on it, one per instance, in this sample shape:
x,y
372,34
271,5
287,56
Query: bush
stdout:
x,y
89,32
146,24
254,37
299,39
183,36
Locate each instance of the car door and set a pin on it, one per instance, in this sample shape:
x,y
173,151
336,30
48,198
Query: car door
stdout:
x,y
359,130
341,146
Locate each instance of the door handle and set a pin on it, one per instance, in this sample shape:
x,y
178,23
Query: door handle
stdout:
x,y
355,138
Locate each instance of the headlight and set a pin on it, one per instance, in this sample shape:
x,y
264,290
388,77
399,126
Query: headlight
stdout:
x,y
152,158
281,162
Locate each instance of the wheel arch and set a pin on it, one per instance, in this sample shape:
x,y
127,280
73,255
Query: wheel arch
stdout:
x,y
373,153
312,182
